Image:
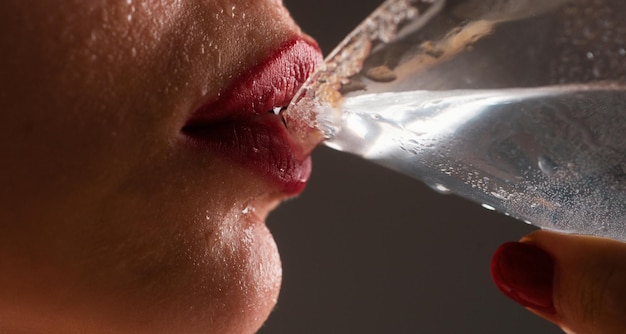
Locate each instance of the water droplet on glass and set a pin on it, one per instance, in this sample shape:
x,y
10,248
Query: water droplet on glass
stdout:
x,y
546,165
440,188
488,207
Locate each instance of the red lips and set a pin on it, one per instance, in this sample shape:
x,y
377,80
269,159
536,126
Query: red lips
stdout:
x,y
241,126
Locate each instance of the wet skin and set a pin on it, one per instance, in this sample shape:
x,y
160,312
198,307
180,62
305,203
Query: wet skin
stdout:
x,y
109,220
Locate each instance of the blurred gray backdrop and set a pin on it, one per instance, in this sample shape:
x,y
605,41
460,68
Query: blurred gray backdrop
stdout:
x,y
366,250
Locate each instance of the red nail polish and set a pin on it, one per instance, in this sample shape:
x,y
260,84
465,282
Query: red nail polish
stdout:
x,y
524,273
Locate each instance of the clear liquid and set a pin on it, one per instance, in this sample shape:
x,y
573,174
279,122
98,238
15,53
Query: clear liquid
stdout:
x,y
553,156
431,88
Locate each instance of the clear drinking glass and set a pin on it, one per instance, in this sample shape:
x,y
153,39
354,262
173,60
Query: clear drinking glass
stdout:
x,y
519,105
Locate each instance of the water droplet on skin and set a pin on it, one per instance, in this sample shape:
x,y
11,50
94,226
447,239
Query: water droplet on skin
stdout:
x,y
133,52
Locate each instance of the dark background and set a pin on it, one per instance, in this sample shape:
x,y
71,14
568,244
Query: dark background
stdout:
x,y
366,250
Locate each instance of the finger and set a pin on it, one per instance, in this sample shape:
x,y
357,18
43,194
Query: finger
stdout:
x,y
577,282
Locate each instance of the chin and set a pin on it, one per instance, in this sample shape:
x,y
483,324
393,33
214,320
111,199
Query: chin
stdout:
x,y
243,276
229,282
195,258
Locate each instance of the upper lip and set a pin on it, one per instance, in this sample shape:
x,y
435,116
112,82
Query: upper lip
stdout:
x,y
239,123
272,83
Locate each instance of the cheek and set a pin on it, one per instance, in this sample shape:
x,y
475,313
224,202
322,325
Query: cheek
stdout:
x,y
71,98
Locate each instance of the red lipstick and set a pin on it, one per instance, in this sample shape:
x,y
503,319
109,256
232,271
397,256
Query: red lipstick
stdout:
x,y
241,125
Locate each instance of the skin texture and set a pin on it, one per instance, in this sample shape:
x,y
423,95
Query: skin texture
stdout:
x,y
108,222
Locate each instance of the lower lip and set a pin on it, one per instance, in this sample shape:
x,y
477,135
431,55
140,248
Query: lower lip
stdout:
x,y
262,144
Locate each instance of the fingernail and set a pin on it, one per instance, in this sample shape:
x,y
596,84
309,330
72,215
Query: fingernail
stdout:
x,y
524,273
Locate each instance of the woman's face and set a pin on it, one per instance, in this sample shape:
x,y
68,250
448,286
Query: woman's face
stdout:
x,y
138,160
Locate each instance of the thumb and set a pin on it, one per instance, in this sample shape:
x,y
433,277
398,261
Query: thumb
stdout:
x,y
577,282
